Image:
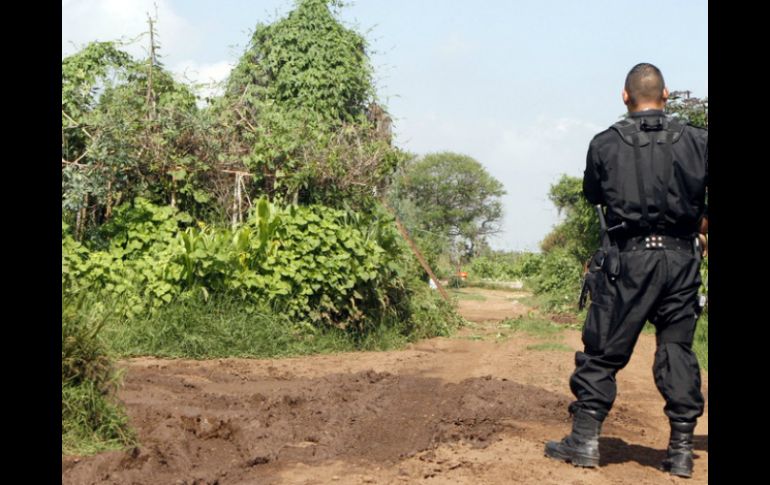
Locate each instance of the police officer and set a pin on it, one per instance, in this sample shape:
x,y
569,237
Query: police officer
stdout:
x,y
650,171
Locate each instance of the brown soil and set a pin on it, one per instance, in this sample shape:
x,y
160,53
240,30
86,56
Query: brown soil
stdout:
x,y
445,410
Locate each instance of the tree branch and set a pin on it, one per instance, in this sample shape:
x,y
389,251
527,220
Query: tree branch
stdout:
x,y
77,125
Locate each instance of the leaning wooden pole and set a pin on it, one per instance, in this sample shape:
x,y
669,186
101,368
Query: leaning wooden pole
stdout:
x,y
417,252
235,203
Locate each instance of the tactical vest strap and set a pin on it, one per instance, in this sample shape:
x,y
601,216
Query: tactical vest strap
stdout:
x,y
631,133
668,167
627,127
645,222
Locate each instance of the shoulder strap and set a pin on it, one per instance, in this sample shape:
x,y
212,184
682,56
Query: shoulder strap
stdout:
x,y
668,168
645,221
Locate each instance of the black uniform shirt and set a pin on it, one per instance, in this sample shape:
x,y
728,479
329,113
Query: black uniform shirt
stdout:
x,y
610,176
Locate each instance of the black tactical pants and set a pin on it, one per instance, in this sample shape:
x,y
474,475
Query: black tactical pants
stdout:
x,y
659,285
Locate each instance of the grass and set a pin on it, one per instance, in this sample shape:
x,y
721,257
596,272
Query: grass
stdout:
x,y
557,346
533,325
474,337
468,296
224,327
92,421
220,328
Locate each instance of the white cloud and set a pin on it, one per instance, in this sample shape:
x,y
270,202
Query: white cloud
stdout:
x,y
455,45
84,21
528,160
546,145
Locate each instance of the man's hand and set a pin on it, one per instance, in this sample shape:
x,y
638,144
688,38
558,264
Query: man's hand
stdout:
x,y
703,236
704,243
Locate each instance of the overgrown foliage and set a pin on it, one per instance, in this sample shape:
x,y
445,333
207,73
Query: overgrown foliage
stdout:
x,y
250,224
314,264
298,122
128,129
299,112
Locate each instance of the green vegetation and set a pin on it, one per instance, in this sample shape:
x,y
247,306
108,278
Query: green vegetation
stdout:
x,y
247,225
534,325
551,346
91,420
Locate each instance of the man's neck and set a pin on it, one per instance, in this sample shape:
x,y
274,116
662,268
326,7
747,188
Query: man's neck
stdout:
x,y
647,107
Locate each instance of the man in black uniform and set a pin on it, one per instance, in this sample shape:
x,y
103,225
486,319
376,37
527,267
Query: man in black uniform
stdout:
x,y
650,171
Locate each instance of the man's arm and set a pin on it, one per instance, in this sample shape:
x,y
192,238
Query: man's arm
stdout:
x,y
592,187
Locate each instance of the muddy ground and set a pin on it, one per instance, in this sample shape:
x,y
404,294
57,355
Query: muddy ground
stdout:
x,y
475,408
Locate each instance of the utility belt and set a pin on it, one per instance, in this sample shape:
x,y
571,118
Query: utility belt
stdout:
x,y
656,242
606,260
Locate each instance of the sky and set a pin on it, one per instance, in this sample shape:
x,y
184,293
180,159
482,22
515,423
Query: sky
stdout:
x,y
519,85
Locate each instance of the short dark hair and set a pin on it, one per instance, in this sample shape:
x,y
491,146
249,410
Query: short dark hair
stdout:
x,y
644,82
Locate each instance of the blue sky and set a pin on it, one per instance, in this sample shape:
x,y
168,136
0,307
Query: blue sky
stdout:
x,y
520,85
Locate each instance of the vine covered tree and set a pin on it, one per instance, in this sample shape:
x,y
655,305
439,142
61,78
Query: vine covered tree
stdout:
x,y
299,111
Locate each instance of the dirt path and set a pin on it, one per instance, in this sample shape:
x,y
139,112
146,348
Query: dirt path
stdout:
x,y
476,408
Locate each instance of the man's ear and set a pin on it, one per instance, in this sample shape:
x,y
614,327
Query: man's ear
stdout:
x,y
626,97
665,94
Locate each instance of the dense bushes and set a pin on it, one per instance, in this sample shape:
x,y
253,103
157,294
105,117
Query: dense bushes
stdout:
x,y
315,264
504,266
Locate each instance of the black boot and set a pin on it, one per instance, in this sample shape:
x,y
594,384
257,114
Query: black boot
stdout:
x,y
679,458
581,447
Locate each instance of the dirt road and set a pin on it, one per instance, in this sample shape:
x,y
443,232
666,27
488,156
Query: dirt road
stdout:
x,y
476,408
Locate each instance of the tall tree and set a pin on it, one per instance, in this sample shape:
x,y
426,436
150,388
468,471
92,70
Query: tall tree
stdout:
x,y
453,196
